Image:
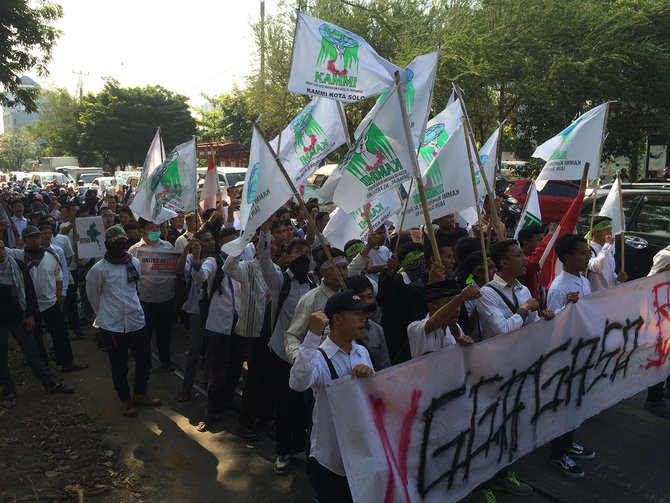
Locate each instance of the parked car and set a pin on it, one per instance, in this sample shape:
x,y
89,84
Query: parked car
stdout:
x,y
106,181
227,175
312,190
44,177
321,175
647,213
85,179
555,198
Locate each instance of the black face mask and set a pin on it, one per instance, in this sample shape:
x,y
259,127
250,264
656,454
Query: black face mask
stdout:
x,y
35,253
131,242
116,249
299,267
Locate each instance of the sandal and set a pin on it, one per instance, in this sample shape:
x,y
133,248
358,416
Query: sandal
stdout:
x,y
9,401
74,366
207,424
62,389
248,434
184,396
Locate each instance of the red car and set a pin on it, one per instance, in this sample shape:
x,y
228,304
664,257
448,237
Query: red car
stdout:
x,y
555,198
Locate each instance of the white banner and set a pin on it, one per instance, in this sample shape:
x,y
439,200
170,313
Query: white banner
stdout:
x,y
91,232
487,154
438,131
154,263
434,428
612,207
332,62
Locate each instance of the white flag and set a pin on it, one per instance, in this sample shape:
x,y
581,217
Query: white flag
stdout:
x,y
418,95
438,131
344,226
612,207
568,152
488,156
447,183
380,160
332,62
265,190
210,188
313,134
531,214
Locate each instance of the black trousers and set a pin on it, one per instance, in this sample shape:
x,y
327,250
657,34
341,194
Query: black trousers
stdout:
x,y
330,487
560,445
655,392
159,316
258,393
139,343
70,308
289,410
54,319
225,355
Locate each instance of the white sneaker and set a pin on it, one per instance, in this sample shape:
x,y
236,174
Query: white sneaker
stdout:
x,y
282,464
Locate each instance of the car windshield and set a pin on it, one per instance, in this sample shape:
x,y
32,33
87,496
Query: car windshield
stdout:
x,y
233,178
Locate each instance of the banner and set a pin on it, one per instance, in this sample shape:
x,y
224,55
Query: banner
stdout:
x,y
447,183
344,226
265,190
423,434
154,263
487,154
313,134
438,131
568,152
91,232
418,95
380,160
332,62
531,213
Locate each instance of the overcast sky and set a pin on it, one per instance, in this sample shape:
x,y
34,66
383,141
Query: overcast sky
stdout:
x,y
188,47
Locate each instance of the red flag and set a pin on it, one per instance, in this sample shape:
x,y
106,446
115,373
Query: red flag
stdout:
x,y
568,224
211,186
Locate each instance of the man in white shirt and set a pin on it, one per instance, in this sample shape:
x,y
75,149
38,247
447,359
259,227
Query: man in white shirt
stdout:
x,y
191,228
111,286
17,223
157,293
378,256
573,251
602,265
316,364
506,304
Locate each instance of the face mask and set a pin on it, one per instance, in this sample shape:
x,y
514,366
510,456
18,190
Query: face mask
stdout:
x,y
116,249
132,241
37,252
153,236
299,267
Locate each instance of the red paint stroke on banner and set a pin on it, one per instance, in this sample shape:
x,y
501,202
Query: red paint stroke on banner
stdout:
x,y
662,314
399,463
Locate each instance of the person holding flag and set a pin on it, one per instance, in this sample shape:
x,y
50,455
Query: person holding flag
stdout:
x,y
602,266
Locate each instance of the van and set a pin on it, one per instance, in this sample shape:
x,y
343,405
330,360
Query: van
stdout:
x,y
44,177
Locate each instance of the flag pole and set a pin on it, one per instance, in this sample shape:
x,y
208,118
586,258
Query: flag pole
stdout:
x,y
468,131
160,139
322,240
343,120
402,217
417,173
623,226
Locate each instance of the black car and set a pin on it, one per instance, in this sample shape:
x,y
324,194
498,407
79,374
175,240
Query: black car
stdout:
x,y
647,214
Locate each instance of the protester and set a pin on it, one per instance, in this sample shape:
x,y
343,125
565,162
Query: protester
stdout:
x,y
317,363
191,228
476,275
112,286
534,242
602,266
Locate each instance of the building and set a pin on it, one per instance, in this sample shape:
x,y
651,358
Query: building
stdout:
x,y
226,153
16,117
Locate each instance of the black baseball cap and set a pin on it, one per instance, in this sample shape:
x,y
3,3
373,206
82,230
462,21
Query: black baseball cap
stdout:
x,y
347,301
441,289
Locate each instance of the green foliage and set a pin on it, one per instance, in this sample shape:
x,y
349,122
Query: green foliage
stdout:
x,y
229,118
119,122
15,148
26,41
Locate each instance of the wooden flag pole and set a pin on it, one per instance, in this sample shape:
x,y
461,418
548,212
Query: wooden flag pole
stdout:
x,y
296,194
343,120
402,217
417,173
623,227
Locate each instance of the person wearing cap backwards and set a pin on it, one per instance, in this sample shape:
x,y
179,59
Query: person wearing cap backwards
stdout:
x,y
111,287
47,275
440,328
319,362
602,266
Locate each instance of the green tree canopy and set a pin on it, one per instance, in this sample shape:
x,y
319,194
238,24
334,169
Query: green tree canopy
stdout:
x,y
229,117
15,148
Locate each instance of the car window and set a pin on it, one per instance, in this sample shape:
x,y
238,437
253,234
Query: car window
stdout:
x,y
233,178
653,216
560,189
526,186
631,200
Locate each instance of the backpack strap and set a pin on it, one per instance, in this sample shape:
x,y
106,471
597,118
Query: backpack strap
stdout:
x,y
507,302
333,373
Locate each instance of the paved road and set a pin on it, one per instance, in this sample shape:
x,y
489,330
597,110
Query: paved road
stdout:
x,y
174,462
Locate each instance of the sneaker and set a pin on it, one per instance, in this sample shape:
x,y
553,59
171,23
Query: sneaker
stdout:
x,y
146,400
128,409
567,467
658,407
300,456
579,452
511,485
282,464
482,496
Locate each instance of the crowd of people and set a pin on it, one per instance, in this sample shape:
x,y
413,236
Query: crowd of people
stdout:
x,y
298,312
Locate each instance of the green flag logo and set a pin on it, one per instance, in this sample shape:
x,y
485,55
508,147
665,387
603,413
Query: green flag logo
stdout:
x,y
305,127
566,136
435,137
530,219
339,53
408,95
166,179
371,158
253,183
434,185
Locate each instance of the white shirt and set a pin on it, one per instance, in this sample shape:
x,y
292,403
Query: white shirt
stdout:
x,y
20,225
378,257
602,267
155,288
421,343
223,305
311,370
495,316
182,241
564,284
44,276
192,302
63,265
113,298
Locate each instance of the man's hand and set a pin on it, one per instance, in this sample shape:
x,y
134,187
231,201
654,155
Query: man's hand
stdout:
x,y
547,314
465,340
196,248
362,370
470,292
437,273
314,213
609,239
572,297
318,321
30,323
622,277
552,227
531,305
392,264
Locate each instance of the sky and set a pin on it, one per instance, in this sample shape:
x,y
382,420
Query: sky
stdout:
x,y
193,47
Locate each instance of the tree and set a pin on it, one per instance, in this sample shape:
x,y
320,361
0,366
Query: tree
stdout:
x,y
26,41
229,119
119,122
15,148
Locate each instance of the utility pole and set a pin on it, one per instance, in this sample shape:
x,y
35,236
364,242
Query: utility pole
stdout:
x,y
80,82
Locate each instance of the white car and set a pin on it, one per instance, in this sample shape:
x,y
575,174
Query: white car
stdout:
x,y
106,181
227,176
